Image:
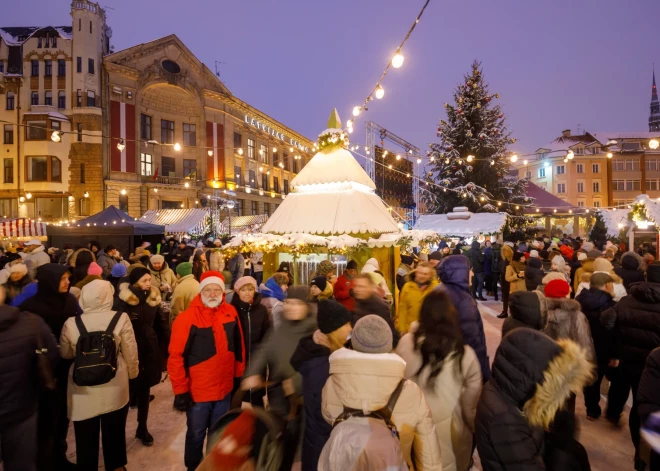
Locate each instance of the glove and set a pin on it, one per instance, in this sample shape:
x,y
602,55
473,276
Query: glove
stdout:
x,y
183,402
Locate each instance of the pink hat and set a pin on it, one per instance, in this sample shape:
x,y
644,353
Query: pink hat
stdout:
x,y
94,269
244,280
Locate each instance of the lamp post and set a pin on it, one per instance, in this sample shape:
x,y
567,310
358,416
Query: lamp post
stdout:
x,y
229,204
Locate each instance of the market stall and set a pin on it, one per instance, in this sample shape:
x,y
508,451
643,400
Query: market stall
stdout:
x,y
179,222
462,224
636,224
22,229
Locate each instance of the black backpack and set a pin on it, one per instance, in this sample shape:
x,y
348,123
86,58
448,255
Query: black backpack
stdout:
x,y
96,354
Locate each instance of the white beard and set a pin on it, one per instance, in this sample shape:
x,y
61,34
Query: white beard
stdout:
x,y
211,302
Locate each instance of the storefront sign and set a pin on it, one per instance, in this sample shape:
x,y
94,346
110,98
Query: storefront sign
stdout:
x,y
276,134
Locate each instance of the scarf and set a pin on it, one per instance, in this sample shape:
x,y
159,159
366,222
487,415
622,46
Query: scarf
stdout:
x,y
273,290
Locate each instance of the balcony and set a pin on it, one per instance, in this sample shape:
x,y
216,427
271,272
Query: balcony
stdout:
x,y
170,181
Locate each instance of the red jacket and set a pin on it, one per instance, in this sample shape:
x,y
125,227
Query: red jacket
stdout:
x,y
206,351
342,292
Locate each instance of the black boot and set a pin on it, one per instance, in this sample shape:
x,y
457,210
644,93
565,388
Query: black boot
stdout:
x,y
143,434
504,315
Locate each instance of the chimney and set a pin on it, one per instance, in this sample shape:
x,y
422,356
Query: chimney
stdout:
x,y
566,133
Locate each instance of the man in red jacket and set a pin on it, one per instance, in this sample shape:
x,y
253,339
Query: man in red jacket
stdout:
x,y
344,284
206,354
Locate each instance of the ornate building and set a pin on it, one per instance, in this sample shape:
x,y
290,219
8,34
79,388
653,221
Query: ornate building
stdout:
x,y
50,88
654,118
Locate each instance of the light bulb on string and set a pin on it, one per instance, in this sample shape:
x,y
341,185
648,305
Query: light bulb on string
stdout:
x,y
609,155
499,203
492,162
210,153
380,92
356,111
349,123
397,60
121,146
56,136
446,161
525,162
240,151
514,158
470,158
654,144
419,161
177,147
398,157
570,155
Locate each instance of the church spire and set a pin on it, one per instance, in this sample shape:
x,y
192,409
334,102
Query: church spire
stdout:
x,y
654,117
654,90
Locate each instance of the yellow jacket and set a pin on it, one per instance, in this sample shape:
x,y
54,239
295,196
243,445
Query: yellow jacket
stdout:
x,y
410,302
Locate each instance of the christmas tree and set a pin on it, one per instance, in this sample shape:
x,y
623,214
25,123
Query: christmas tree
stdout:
x,y
471,160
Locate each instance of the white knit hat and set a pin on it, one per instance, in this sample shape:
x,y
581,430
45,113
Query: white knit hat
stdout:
x,y
534,253
19,268
582,256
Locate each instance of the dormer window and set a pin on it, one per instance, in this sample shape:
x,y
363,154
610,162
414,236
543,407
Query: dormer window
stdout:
x,y
579,151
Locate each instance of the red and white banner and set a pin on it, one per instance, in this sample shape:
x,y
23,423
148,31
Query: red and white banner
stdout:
x,y
122,128
215,141
21,228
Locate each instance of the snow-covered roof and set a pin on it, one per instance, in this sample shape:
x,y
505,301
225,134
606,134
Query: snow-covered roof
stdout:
x,y
17,35
612,218
606,136
477,224
177,221
336,166
51,114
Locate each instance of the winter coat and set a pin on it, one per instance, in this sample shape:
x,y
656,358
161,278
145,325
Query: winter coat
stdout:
x,y
619,290
496,258
516,283
410,302
236,267
15,288
566,321
255,323
85,402
452,397
402,272
216,260
80,261
534,273
454,276
518,403
375,305
476,257
19,385
184,292
528,309
594,303
150,326
629,271
311,360
273,296
488,270
327,293
85,281
206,351
106,262
587,267
342,291
163,276
366,381
35,259
635,322
648,399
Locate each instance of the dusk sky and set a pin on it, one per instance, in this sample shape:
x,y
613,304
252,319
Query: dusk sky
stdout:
x,y
557,63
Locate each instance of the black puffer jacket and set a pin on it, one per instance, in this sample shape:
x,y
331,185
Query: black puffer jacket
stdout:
x,y
594,303
636,324
648,399
476,257
18,375
534,273
528,309
629,270
255,322
517,404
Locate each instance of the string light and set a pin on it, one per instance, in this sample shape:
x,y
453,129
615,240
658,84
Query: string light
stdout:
x,y
356,111
570,155
380,92
654,144
210,153
470,158
240,151
121,146
397,60
525,162
56,136
123,191
398,157
177,147
609,155
514,158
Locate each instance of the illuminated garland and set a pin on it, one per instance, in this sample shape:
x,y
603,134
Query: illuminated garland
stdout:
x,y
638,213
332,139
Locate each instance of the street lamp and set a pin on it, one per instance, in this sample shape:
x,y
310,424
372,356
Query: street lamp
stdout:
x,y
229,204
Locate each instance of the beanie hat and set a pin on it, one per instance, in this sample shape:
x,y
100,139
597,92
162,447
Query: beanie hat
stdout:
x,y
19,268
557,289
184,269
553,245
593,254
587,246
534,253
157,259
119,270
332,315
94,269
211,277
243,281
301,293
137,273
320,282
582,256
324,268
603,264
372,334
406,259
435,256
352,265
217,243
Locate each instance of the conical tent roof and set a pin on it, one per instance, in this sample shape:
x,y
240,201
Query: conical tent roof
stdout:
x,y
332,194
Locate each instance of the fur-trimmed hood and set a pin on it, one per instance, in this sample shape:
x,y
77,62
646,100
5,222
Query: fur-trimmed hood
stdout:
x,y
129,297
566,306
74,256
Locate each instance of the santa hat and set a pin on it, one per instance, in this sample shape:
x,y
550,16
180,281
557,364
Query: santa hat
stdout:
x,y
212,277
557,289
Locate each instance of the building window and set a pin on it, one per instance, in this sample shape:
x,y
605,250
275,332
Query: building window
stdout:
x,y
61,99
250,148
35,68
189,135
9,171
263,152
79,129
9,133
595,150
580,187
79,98
596,187
253,208
166,131
37,169
48,68
91,98
580,204
618,185
579,151
169,166
561,169
35,98
267,209
237,174
48,98
39,43
595,168
651,185
90,66
82,173
580,168
2,67
146,164
561,187
528,174
631,164
276,185
55,169
264,182
61,67
632,185
285,160
123,203
238,141
54,41
10,101
240,207
286,187
295,168
36,131
630,146
145,127
90,27
251,179
651,164
190,168
597,203
79,64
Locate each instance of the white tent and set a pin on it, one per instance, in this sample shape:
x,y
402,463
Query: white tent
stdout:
x,y
462,223
177,221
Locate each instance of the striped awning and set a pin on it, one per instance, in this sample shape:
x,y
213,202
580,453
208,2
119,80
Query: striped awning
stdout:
x,y
244,222
177,221
22,227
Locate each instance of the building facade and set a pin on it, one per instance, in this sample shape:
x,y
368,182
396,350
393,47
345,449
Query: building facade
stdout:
x,y
50,89
180,139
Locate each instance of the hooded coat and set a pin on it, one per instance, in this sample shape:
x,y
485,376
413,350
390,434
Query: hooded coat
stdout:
x,y
184,292
366,382
648,400
255,322
410,302
594,303
533,376
534,273
149,324
528,309
454,276
629,271
587,267
496,258
35,259
80,261
566,321
163,276
106,262
85,402
216,260
476,257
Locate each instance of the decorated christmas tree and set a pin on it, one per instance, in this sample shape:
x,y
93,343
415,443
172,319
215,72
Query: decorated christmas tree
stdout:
x,y
471,161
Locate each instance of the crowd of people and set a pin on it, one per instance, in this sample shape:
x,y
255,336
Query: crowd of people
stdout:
x,y
356,377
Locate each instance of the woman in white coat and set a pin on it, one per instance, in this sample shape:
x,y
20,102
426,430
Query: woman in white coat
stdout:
x,y
449,375
104,407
